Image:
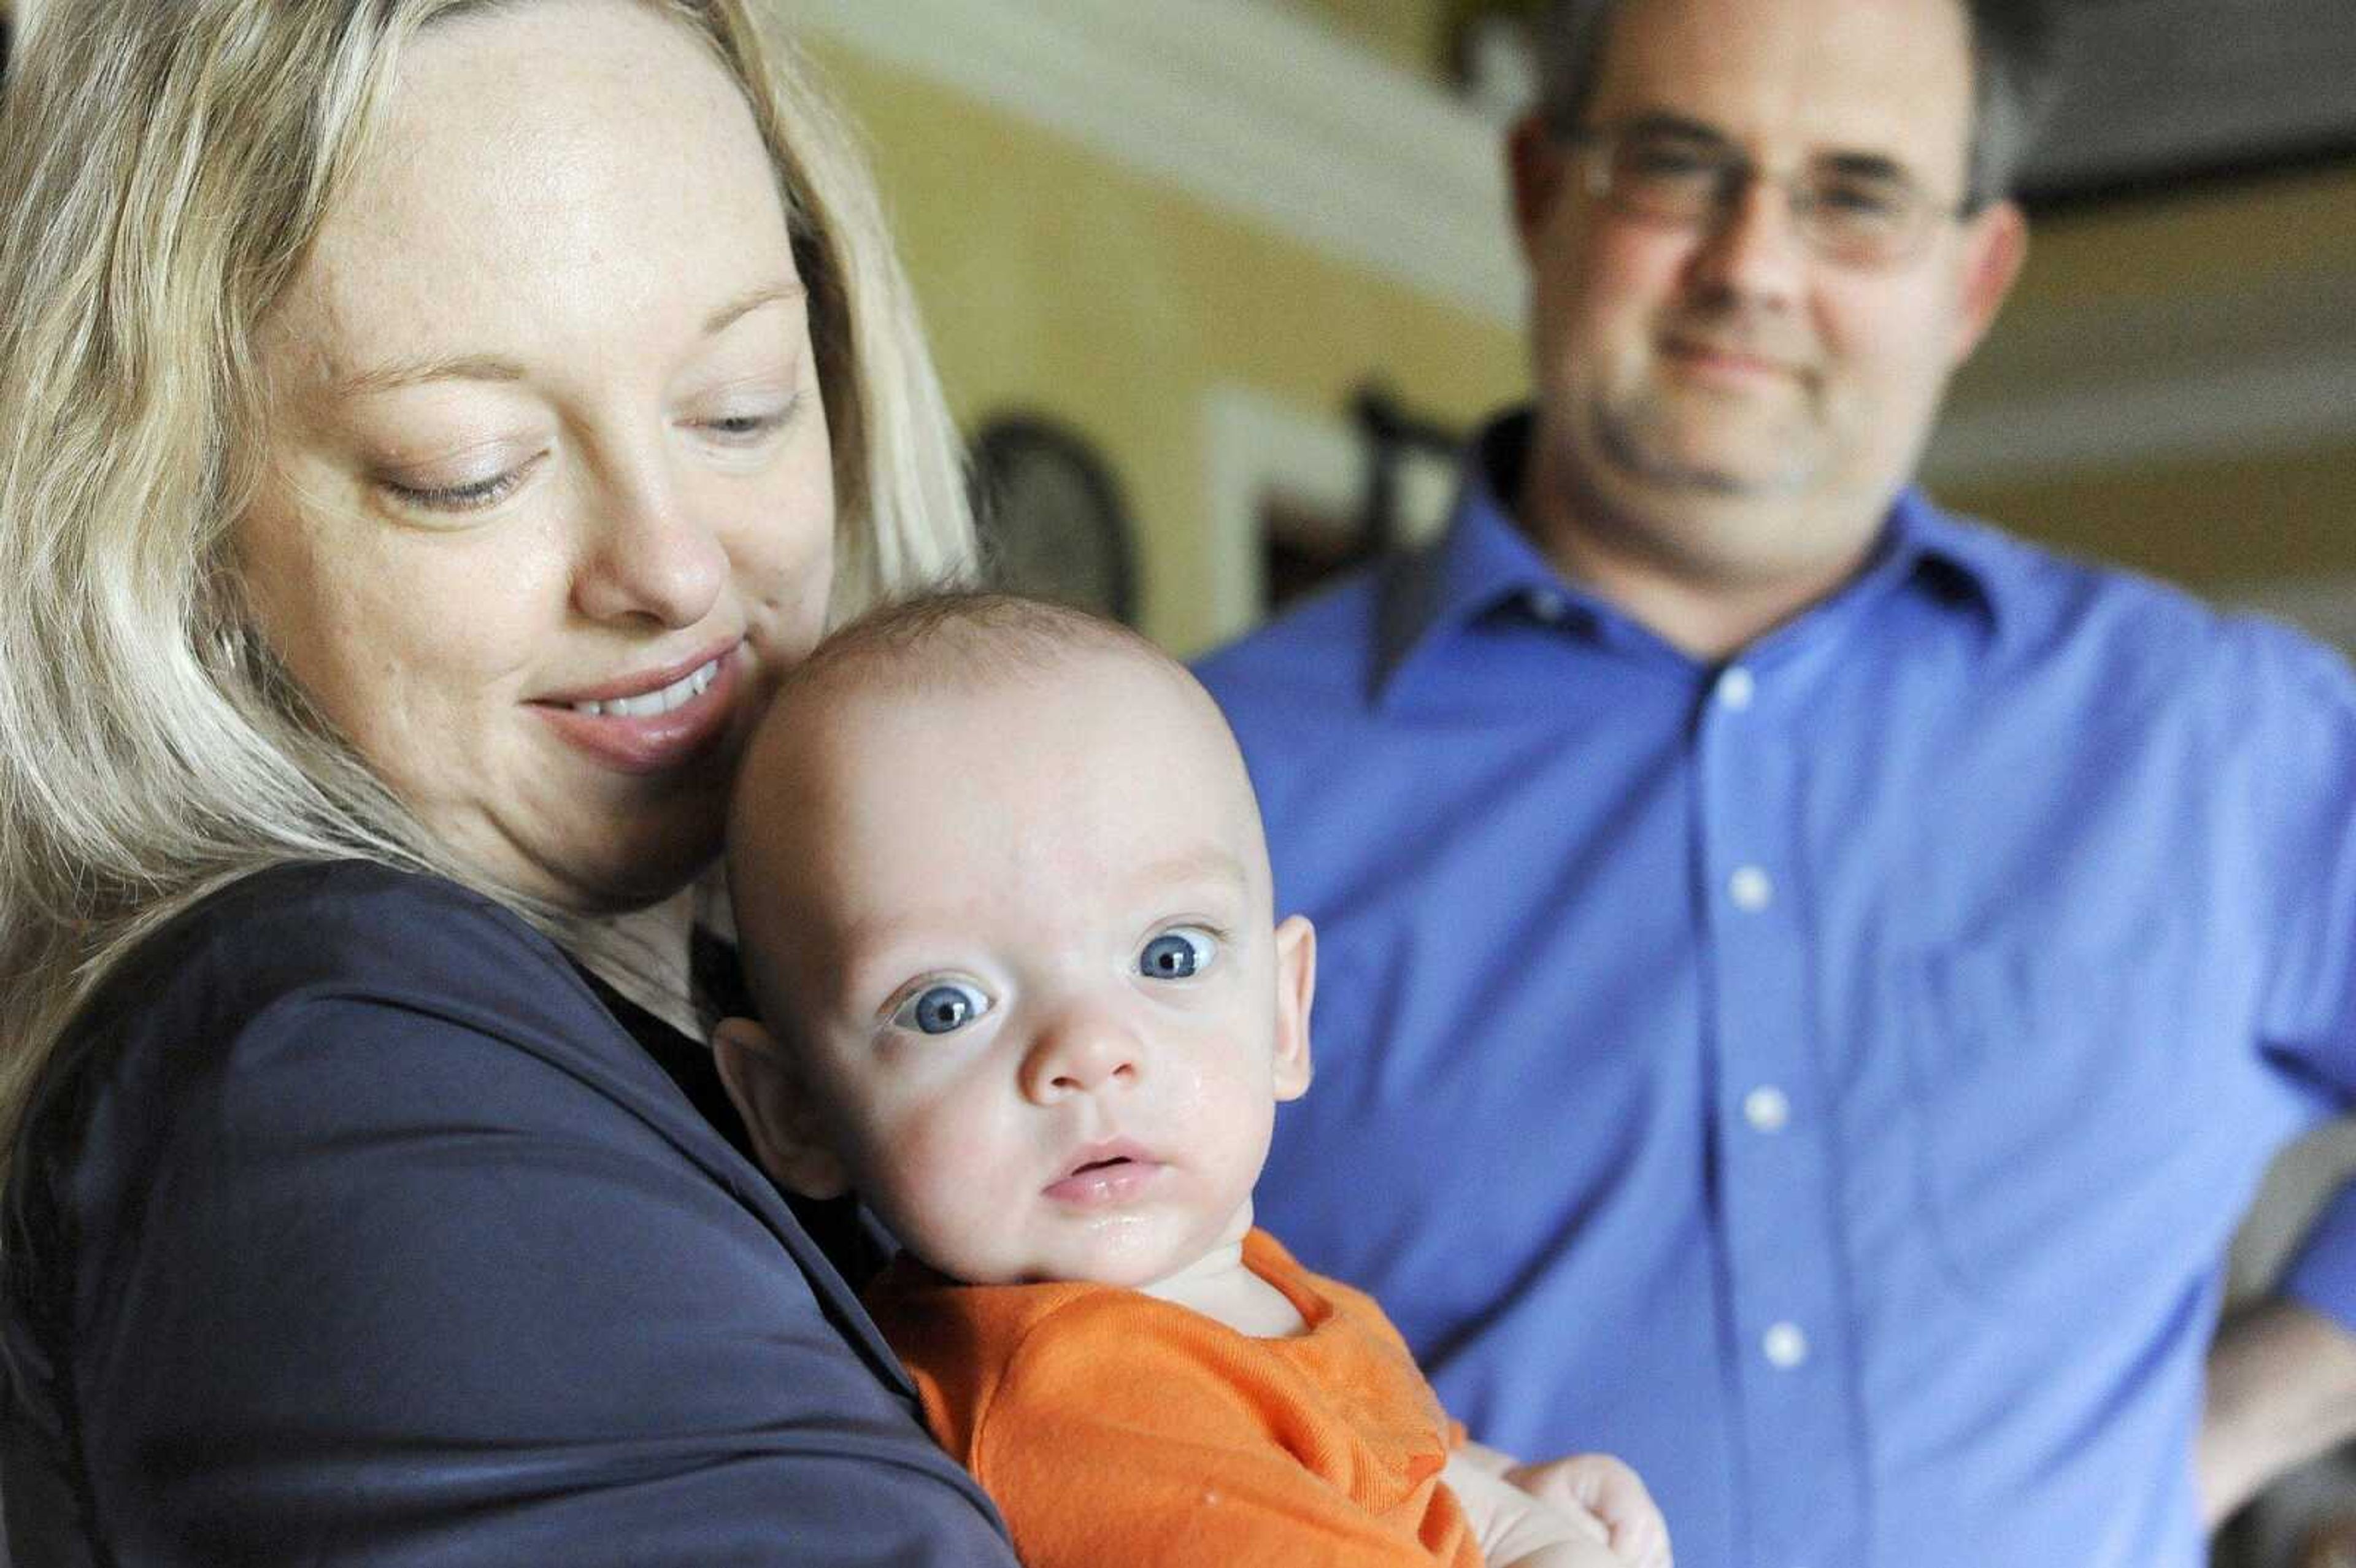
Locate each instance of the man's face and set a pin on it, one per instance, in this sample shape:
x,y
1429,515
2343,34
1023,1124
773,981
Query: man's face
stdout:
x,y
1018,935
1739,402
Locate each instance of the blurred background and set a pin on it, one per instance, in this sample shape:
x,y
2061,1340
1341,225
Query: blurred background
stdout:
x,y
1180,243
1215,284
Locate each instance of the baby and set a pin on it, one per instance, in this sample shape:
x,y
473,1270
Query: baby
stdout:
x,y
1005,904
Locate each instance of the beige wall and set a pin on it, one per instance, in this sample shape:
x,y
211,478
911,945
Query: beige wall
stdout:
x,y
1056,281
1411,34
2200,291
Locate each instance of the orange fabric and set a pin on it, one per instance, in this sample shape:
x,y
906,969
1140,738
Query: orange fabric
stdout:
x,y
1115,1428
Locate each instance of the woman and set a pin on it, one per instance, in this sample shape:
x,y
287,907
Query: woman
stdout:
x,y
427,429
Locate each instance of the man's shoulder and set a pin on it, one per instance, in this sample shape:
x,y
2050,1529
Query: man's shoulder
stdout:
x,y
2053,605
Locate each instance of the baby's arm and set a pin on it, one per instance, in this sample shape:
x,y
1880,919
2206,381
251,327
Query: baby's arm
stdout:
x,y
1594,1491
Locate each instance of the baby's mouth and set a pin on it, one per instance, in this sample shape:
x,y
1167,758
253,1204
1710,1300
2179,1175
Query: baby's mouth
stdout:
x,y
1105,1173
1110,1152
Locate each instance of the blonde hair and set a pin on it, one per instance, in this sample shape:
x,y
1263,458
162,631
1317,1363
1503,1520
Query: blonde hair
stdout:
x,y
166,167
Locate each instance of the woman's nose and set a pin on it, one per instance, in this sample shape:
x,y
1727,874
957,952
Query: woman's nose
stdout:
x,y
1080,1051
646,555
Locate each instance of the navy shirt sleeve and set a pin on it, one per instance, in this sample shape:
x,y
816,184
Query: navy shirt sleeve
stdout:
x,y
363,1232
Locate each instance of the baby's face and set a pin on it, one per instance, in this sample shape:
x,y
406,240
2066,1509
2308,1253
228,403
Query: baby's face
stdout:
x,y
1031,978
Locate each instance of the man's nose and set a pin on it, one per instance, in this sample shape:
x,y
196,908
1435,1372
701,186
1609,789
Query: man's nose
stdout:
x,y
1751,248
1080,1050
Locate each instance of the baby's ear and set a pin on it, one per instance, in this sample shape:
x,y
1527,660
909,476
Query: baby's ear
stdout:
x,y
1296,988
764,1082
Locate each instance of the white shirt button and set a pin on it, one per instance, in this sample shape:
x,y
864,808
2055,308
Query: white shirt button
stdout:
x,y
1547,605
1767,1108
1785,1346
1750,889
1736,689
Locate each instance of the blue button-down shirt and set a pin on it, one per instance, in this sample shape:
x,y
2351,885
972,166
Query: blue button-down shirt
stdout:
x,y
1827,1079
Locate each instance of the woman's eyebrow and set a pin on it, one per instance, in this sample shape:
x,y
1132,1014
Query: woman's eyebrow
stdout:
x,y
411,372
745,303
492,368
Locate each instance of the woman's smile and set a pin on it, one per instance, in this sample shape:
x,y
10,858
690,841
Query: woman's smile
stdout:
x,y
654,721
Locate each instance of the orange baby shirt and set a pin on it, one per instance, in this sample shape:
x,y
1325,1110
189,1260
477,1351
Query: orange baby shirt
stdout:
x,y
1114,1428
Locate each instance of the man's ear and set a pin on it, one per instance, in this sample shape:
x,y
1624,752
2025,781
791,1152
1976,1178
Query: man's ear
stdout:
x,y
1995,243
1534,167
1296,988
766,1084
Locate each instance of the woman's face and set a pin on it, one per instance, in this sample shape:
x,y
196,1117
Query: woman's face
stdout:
x,y
550,501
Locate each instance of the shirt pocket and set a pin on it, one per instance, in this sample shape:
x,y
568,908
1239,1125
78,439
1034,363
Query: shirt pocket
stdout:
x,y
2054,1108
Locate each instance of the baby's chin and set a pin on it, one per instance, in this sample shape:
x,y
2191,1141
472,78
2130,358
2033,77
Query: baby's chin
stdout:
x,y
1125,1253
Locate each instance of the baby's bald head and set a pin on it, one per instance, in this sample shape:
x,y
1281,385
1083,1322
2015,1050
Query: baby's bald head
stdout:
x,y
980,689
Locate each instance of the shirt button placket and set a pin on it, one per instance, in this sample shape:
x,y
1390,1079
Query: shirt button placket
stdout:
x,y
1780,1234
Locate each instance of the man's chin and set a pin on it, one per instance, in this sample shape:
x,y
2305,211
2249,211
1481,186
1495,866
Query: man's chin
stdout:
x,y
1709,469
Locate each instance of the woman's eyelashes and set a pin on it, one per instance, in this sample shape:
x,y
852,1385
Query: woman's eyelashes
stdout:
x,y
752,425
746,429
464,495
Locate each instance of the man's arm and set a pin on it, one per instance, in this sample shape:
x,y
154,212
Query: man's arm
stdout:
x,y
2282,1388
2282,1374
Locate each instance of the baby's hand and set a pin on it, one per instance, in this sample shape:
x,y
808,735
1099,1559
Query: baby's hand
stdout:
x,y
1600,1486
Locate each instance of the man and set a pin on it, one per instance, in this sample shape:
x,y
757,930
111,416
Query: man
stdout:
x,y
1863,963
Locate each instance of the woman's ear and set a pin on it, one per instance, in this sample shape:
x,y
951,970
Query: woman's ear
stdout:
x,y
765,1083
1296,988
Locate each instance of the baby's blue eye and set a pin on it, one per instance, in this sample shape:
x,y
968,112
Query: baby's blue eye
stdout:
x,y
940,1009
1177,954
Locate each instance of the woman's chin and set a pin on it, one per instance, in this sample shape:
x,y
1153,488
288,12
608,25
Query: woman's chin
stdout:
x,y
621,873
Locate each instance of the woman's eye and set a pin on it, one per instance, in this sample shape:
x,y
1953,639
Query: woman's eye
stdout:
x,y
749,427
940,1009
744,427
1177,955
473,497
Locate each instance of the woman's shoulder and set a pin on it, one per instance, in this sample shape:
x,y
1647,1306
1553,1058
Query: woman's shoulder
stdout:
x,y
340,937
340,924
323,1001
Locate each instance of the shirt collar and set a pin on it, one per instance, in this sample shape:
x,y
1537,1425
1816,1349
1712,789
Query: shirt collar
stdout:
x,y
1483,563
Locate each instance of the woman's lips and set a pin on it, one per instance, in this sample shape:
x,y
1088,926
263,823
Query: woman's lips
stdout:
x,y
1111,1174
652,722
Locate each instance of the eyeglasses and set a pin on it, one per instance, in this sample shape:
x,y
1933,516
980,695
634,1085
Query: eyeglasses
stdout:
x,y
1855,210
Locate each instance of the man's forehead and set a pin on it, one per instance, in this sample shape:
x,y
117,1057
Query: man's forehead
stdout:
x,y
1878,78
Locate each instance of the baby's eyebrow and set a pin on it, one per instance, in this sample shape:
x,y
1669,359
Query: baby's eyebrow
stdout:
x,y
1207,864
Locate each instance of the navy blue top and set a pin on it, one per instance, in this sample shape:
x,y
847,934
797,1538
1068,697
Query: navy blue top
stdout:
x,y
350,1225
1828,1077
